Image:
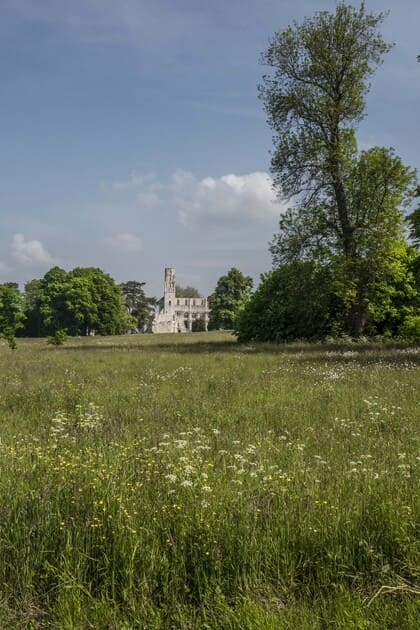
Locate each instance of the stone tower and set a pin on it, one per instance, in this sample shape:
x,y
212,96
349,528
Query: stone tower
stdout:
x,y
179,314
169,291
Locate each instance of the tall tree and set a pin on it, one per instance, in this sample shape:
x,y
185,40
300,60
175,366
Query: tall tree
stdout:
x,y
314,100
347,205
230,295
98,304
11,311
79,301
52,301
33,324
139,306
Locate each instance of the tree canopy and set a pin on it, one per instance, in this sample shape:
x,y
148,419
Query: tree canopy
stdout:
x,y
231,292
293,301
80,301
186,292
315,97
139,306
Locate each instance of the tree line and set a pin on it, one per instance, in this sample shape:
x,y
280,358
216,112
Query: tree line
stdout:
x,y
82,301
86,301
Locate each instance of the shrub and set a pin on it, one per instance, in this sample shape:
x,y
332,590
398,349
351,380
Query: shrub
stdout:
x,y
58,338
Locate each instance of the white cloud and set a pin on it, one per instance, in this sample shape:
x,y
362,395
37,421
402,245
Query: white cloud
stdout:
x,y
125,242
230,200
146,188
148,199
135,180
227,199
30,252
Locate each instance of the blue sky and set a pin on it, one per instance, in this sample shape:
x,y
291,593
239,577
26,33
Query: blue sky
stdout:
x,y
133,139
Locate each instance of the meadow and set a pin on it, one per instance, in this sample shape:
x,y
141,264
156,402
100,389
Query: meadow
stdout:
x,y
191,482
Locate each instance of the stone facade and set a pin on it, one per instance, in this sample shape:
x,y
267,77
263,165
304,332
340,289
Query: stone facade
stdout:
x,y
178,314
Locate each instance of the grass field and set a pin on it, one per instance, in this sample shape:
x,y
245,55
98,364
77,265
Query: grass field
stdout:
x,y
190,482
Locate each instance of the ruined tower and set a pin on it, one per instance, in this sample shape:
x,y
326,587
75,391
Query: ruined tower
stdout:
x,y
179,314
169,291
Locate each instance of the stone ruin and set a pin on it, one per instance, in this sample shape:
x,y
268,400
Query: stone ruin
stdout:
x,y
178,314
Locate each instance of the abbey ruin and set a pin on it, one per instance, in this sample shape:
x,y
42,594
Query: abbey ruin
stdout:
x,y
178,314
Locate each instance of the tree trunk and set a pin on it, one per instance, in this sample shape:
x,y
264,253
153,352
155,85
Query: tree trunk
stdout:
x,y
358,315
357,320
343,217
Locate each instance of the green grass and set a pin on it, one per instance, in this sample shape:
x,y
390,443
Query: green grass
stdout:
x,y
189,482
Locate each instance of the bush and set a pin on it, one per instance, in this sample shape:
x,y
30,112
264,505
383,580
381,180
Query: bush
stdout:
x,y
58,338
198,325
10,338
410,328
294,301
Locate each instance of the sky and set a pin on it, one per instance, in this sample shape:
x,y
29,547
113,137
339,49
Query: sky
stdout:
x,y
133,139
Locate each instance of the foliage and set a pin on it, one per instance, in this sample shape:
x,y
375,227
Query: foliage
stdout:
x,y
187,292
413,221
308,300
11,312
230,295
198,325
33,324
410,328
292,301
348,204
47,299
11,341
379,290
81,301
280,491
377,186
139,306
105,318
58,338
316,97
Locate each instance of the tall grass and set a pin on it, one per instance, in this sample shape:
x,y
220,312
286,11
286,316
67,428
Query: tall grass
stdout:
x,y
190,482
